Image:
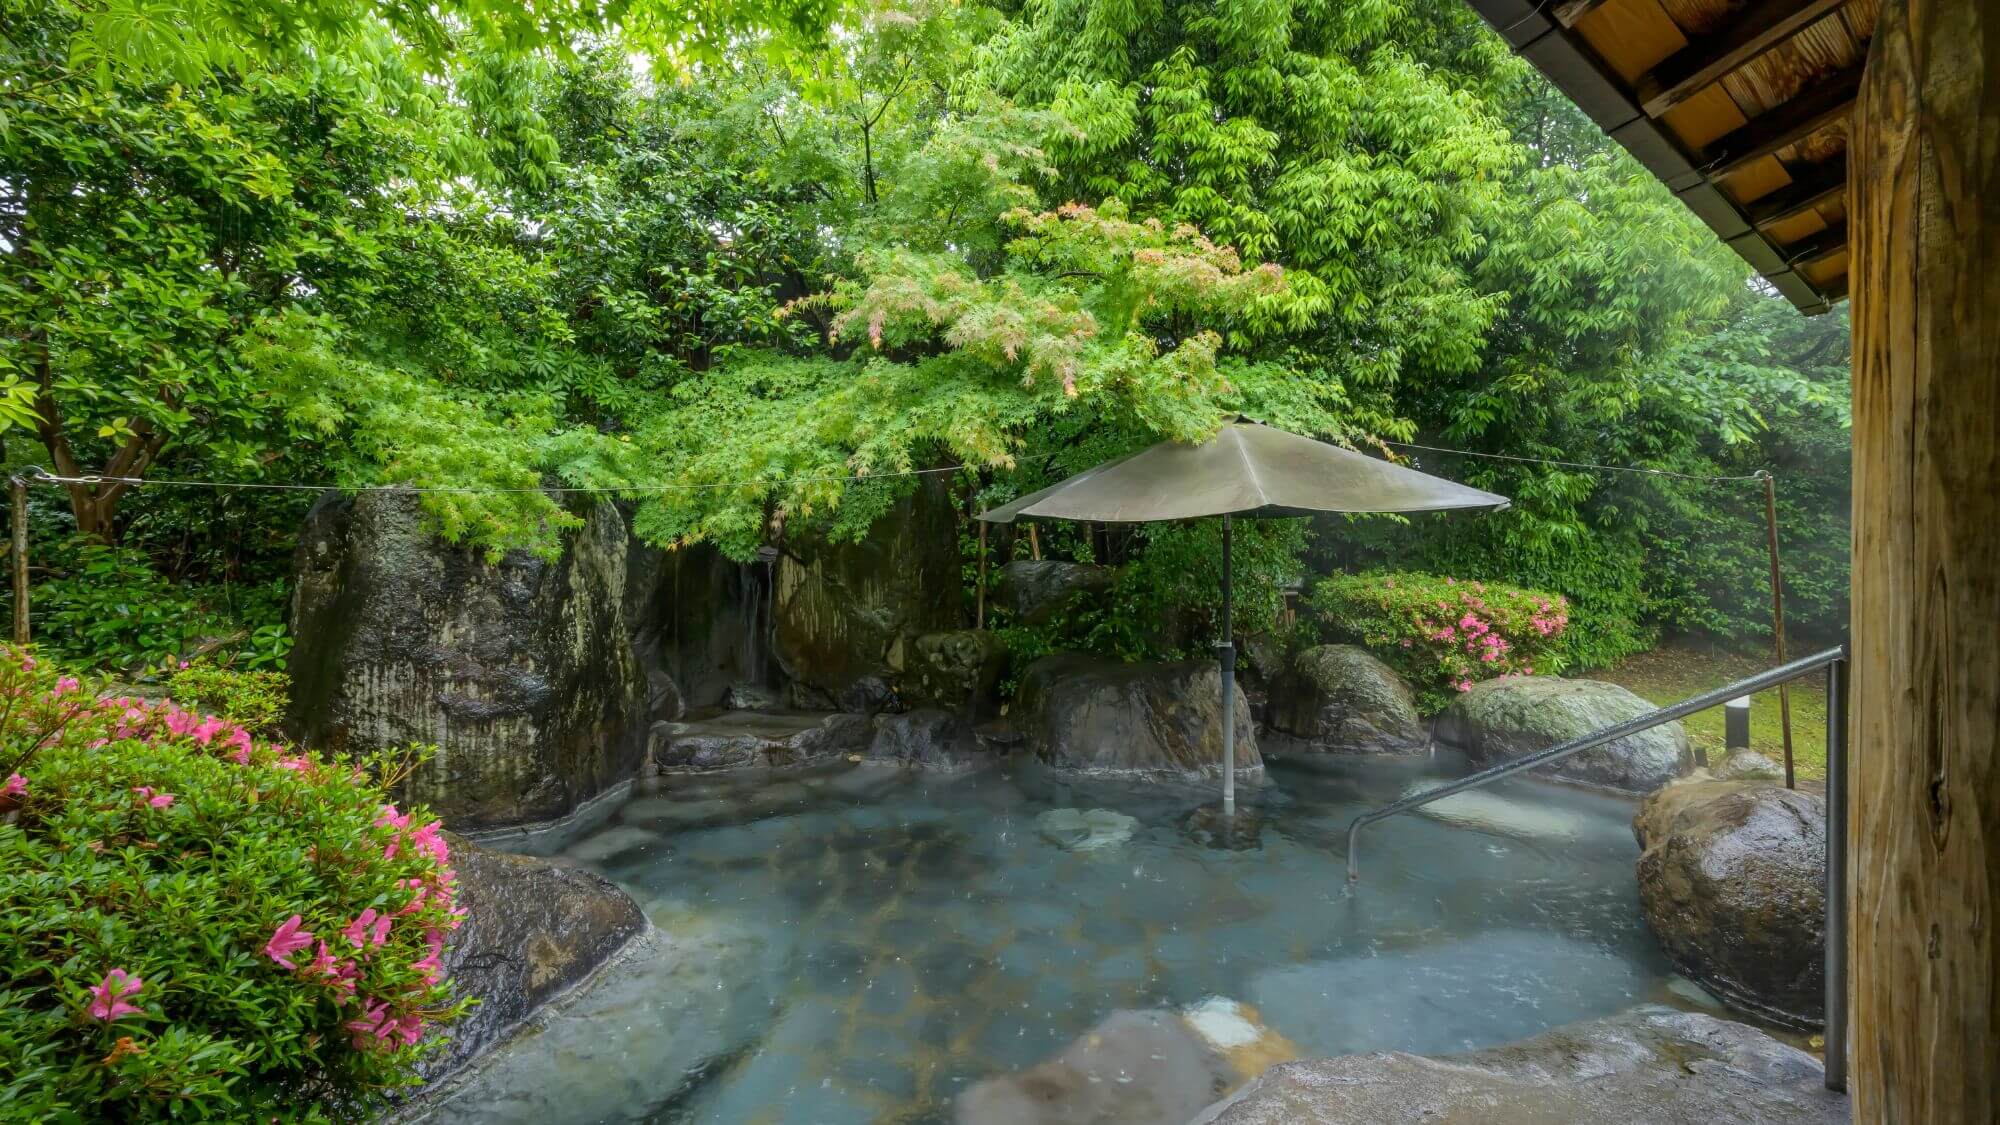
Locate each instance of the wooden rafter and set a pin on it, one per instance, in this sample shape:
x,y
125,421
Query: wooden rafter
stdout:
x,y
1569,11
1701,64
1817,247
1795,120
1806,192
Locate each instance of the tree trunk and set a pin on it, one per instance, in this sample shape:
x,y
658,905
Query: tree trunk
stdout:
x,y
1925,806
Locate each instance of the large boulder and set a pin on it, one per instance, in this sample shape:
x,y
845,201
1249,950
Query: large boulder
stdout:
x,y
845,614
1732,880
1502,719
520,671
1102,716
1649,1064
957,670
926,738
1339,698
754,740
533,931
1036,590
1133,1068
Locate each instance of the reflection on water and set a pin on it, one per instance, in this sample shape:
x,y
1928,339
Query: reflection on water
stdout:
x,y
860,944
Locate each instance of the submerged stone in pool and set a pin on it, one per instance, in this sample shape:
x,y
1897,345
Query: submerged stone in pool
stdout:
x,y
867,952
1085,831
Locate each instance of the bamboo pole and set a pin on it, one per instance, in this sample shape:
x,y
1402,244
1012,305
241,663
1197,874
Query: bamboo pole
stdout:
x,y
1778,618
19,489
979,614
1034,543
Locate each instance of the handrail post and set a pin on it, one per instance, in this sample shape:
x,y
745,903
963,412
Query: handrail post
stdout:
x,y
1836,875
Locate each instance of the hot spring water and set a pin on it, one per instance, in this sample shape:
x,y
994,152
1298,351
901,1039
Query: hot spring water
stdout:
x,y
860,944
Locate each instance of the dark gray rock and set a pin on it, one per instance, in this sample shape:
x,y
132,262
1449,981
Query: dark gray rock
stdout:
x,y
701,623
1503,719
958,670
1339,698
1101,716
926,738
533,931
1732,880
521,671
754,739
1036,590
751,697
845,614
1648,1065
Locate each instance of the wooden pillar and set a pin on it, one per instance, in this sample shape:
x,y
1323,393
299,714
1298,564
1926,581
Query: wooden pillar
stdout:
x,y
1924,943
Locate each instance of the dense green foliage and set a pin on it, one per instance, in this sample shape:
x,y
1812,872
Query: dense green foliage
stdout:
x,y
254,699
483,250
200,924
1442,634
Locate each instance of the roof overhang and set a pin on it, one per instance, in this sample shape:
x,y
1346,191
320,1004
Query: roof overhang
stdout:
x,y
1739,109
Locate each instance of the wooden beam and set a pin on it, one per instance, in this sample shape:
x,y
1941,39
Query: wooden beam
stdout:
x,y
1817,247
1806,192
1924,814
1702,63
1822,105
1569,11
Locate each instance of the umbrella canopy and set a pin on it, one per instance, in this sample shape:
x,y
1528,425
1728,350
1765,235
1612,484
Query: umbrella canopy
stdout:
x,y
1246,469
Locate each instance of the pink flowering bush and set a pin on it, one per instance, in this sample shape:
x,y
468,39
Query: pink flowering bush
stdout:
x,y
203,924
1445,634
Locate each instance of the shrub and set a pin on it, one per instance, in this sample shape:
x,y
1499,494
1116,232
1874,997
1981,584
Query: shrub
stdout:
x,y
256,699
200,924
1444,634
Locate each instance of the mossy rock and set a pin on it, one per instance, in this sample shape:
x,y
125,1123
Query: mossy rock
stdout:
x,y
1338,698
1503,719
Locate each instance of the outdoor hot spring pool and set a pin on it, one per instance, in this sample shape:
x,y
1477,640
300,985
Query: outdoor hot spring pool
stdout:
x,y
861,944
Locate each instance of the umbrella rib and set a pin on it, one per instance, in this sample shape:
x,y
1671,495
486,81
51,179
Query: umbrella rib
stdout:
x,y
1249,467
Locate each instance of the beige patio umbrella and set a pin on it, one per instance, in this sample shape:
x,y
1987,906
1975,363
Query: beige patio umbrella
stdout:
x,y
1246,469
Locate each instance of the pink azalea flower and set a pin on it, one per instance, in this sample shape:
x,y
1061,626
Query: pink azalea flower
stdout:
x,y
286,940
324,963
108,996
207,730
16,786
370,1023
294,763
158,800
390,818
241,756
428,841
410,1028
369,929
66,685
179,721
1465,685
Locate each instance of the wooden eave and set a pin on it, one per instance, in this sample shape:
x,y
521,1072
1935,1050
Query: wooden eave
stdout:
x,y
1739,106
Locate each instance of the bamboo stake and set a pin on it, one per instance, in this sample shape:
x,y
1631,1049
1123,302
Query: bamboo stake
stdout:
x,y
1778,617
19,488
979,615
1034,543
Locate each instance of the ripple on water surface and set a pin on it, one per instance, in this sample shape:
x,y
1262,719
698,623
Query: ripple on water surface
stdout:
x,y
860,945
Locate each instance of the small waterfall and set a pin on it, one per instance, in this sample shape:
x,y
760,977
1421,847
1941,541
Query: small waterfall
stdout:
x,y
757,588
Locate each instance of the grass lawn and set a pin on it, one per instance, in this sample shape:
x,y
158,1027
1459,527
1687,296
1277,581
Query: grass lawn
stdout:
x,y
1672,673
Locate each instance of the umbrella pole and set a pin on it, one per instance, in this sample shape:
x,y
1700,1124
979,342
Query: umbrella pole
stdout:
x,y
1226,649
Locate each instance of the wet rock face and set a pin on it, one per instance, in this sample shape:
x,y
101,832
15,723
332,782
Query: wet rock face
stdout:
x,y
754,740
1101,716
845,614
957,671
520,671
1036,590
700,624
534,930
926,738
1648,1064
1732,880
1338,698
1503,719
1749,765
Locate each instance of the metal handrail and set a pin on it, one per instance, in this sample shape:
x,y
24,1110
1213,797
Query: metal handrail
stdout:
x,y
1749,685
1834,661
